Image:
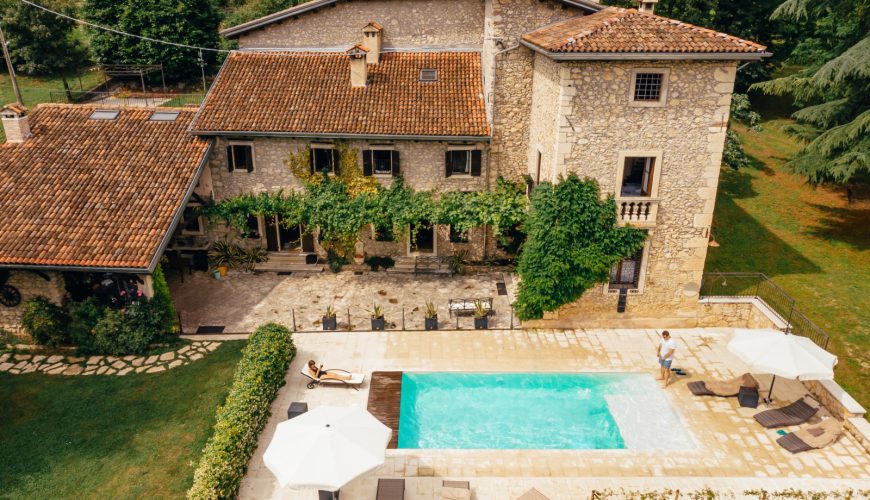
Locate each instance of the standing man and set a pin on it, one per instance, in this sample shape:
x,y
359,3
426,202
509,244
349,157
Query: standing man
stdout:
x,y
665,352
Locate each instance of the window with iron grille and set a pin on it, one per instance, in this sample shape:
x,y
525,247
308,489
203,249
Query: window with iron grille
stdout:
x,y
648,86
626,273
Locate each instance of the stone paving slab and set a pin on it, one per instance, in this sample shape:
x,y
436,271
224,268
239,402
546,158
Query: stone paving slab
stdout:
x,y
733,450
105,365
243,301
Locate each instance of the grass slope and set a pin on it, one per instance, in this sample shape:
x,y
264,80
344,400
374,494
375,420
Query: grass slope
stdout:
x,y
809,241
106,436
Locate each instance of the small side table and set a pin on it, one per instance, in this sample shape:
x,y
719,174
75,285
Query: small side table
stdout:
x,y
296,408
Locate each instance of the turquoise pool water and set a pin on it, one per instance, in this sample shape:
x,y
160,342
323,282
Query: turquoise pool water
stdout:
x,y
536,411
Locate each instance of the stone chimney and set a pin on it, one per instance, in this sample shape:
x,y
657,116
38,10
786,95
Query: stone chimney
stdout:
x,y
16,123
647,6
373,39
359,71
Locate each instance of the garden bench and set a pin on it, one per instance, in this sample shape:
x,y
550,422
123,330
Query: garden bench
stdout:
x,y
466,306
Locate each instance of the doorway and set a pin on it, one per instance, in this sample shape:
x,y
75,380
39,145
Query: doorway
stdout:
x,y
423,242
279,237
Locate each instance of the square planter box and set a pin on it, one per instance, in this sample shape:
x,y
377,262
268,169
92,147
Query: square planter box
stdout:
x,y
481,323
330,323
378,323
431,323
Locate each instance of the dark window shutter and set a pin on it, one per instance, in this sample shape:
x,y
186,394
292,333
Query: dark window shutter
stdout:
x,y
336,161
311,160
230,158
249,158
367,163
449,168
396,169
475,163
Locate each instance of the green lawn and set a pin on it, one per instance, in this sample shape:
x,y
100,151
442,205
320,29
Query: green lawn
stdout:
x,y
809,241
35,90
106,436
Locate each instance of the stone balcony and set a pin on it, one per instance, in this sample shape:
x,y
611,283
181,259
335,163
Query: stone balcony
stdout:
x,y
637,211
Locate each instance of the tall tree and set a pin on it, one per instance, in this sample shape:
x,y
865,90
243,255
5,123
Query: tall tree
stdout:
x,y
832,88
573,241
189,22
41,43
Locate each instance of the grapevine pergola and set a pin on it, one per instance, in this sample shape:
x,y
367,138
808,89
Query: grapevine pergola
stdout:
x,y
135,69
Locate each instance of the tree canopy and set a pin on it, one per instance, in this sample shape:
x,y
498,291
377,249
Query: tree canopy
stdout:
x,y
190,22
41,43
831,88
573,241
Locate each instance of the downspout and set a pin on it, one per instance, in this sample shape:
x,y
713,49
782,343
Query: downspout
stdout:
x,y
494,81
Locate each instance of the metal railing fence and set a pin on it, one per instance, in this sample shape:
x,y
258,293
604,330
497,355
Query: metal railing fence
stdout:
x,y
759,286
126,98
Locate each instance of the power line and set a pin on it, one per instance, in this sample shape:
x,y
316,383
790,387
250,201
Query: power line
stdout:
x,y
119,32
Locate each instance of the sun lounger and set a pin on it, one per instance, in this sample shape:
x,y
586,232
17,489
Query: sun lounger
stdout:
x,y
355,380
391,489
796,413
812,437
455,490
723,388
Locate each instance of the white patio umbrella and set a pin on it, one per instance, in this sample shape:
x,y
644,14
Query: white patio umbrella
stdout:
x,y
326,448
781,354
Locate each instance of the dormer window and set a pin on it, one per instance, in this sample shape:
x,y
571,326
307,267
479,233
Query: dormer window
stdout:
x,y
429,75
105,114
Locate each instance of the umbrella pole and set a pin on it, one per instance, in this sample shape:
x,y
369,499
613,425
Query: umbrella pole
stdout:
x,y
770,392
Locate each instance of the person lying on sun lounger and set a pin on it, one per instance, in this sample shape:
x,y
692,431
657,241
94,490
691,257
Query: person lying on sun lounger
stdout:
x,y
320,373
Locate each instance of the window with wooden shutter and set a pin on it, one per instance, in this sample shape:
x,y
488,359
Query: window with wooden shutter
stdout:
x,y
240,156
396,167
367,162
476,160
459,162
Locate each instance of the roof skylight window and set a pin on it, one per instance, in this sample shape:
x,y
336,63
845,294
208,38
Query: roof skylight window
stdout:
x,y
429,75
164,116
105,114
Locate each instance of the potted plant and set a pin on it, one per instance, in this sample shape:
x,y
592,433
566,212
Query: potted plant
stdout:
x,y
481,318
222,255
431,314
378,322
330,321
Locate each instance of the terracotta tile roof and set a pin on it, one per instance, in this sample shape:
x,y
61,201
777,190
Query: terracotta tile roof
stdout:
x,y
311,93
617,30
95,193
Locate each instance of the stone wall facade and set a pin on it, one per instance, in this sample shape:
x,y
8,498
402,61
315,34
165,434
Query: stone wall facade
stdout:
x,y
30,285
434,23
598,126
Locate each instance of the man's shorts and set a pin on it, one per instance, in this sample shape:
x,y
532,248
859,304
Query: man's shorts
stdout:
x,y
666,363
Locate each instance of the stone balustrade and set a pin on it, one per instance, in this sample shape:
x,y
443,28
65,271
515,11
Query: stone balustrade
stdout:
x,y
637,211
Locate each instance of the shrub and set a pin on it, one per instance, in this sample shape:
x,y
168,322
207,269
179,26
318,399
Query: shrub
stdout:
x,y
240,420
377,262
84,317
162,302
45,321
127,331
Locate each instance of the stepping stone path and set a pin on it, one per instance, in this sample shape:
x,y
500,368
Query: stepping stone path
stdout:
x,y
104,365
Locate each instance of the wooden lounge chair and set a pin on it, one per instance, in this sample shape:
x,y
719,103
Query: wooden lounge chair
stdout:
x,y
812,437
794,414
391,489
722,388
455,490
355,380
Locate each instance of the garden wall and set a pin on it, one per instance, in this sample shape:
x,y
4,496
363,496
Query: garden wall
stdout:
x,y
30,285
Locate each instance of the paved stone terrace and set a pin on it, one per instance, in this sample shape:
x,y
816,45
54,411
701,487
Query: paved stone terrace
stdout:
x,y
731,444
58,364
243,301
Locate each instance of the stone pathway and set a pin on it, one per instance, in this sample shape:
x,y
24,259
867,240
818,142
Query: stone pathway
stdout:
x,y
59,364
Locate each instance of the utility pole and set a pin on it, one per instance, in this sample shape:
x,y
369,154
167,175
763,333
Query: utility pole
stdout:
x,y
11,69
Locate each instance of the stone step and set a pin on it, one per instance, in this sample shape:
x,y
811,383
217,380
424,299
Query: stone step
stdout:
x,y
279,267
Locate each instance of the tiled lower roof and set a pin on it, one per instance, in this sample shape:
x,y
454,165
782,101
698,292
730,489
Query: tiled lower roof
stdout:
x,y
617,30
311,93
94,193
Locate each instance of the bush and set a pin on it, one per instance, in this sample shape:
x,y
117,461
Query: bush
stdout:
x,y
162,301
84,317
240,420
45,321
378,262
127,331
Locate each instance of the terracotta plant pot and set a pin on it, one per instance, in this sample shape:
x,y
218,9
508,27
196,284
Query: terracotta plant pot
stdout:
x,y
431,323
223,270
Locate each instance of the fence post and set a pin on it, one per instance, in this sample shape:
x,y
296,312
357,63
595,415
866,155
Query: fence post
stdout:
x,y
512,316
457,321
348,319
403,318
758,285
788,321
293,312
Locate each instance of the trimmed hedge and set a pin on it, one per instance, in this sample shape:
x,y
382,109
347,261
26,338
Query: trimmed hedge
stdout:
x,y
243,416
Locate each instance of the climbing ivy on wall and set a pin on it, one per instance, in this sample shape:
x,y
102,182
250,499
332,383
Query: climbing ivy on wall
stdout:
x,y
573,241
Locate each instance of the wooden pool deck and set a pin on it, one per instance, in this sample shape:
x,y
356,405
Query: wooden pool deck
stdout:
x,y
385,400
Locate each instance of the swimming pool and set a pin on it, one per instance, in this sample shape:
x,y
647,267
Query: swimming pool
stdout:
x,y
449,410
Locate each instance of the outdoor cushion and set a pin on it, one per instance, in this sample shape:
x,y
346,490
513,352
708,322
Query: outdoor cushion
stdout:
x,y
810,438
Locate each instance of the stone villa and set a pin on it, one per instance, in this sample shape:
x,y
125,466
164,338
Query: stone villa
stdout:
x,y
452,95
